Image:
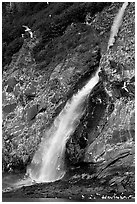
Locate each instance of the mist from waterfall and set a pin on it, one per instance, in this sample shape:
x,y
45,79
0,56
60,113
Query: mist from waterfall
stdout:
x,y
48,162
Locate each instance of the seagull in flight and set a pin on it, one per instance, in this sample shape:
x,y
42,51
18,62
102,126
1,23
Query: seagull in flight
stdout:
x,y
124,87
28,30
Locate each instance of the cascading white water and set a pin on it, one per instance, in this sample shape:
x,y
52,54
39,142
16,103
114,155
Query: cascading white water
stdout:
x,y
116,24
48,162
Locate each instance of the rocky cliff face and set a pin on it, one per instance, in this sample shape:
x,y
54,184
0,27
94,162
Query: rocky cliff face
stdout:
x,y
34,94
116,132
107,128
33,97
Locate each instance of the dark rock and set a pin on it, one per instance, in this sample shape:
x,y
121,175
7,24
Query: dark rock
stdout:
x,y
30,90
21,99
21,82
124,93
11,82
31,112
132,79
9,89
111,108
116,93
113,64
54,84
9,108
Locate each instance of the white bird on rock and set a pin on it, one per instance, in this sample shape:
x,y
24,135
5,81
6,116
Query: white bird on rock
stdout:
x,y
28,30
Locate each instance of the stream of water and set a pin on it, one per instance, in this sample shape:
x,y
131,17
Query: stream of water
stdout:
x,y
48,162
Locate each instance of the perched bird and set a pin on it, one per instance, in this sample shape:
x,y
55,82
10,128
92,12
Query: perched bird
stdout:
x,y
28,30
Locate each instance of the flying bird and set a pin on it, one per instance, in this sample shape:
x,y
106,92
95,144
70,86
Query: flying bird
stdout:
x,y
28,30
124,87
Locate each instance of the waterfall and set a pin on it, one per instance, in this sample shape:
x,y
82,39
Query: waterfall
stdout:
x,y
48,162
116,24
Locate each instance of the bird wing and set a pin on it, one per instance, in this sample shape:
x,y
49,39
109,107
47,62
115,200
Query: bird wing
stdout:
x,y
25,26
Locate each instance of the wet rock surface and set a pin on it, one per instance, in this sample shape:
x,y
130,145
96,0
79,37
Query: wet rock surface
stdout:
x,y
113,182
100,153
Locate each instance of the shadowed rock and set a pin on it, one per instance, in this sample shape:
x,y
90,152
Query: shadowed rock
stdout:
x,y
11,82
31,112
9,108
